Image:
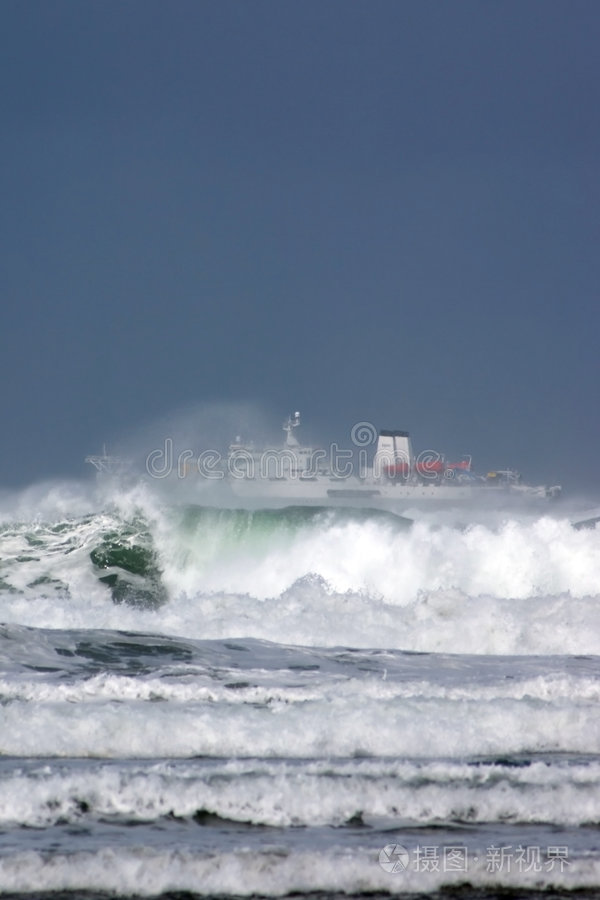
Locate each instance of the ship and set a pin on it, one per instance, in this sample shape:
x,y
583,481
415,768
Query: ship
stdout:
x,y
393,478
381,472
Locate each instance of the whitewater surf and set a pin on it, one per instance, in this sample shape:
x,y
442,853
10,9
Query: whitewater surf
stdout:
x,y
304,701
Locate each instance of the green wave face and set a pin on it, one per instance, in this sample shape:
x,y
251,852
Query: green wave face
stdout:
x,y
129,556
208,534
134,576
62,559
241,525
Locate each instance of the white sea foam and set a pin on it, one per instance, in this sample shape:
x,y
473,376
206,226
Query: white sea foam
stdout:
x,y
196,687
518,560
324,725
524,587
310,613
166,729
283,793
267,871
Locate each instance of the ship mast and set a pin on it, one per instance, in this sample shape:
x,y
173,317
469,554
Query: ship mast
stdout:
x,y
288,427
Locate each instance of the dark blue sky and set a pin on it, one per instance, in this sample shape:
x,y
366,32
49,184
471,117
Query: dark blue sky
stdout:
x,y
383,211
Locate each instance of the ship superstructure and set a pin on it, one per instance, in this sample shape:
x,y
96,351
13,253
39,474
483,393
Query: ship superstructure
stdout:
x,y
395,477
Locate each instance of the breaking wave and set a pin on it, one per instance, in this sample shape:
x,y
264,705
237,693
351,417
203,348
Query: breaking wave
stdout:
x,y
307,576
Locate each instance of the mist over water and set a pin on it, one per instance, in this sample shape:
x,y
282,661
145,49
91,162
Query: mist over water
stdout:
x,y
231,701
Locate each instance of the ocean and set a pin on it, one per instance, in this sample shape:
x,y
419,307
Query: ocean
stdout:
x,y
202,702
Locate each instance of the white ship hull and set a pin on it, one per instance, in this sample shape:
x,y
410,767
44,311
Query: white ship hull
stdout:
x,y
377,494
